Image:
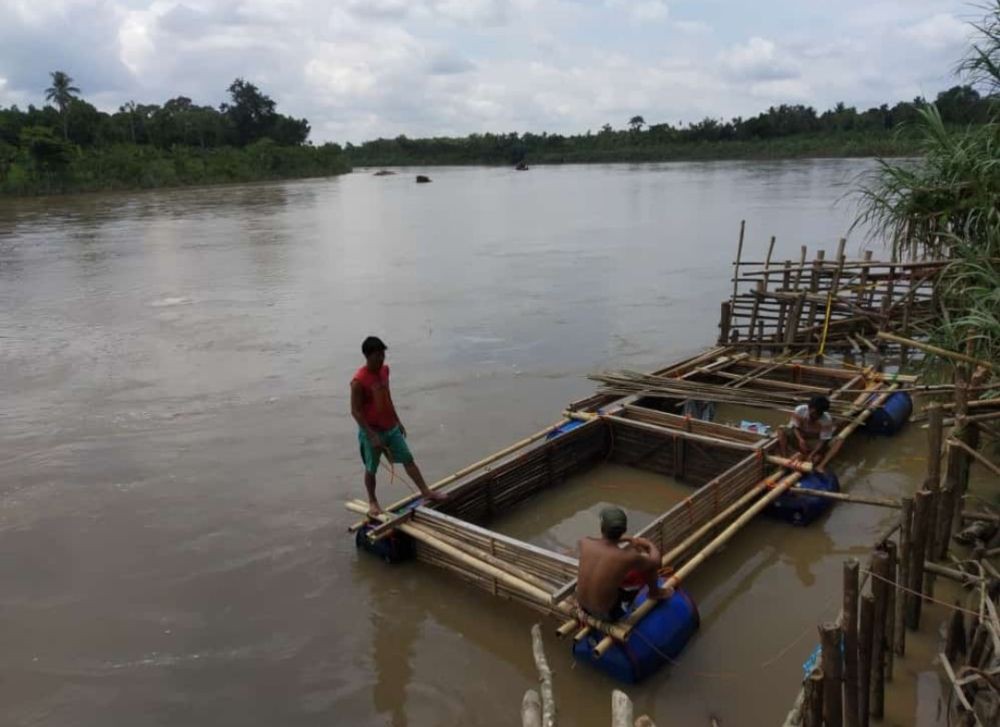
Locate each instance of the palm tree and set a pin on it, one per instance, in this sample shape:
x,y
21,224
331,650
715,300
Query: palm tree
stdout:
x,y
62,92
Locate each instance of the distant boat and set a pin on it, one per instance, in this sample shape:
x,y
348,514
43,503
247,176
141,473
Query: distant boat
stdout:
x,y
383,173
421,179
521,167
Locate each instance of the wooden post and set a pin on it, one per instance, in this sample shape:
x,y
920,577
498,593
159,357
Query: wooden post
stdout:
x,y
812,703
850,623
531,709
833,713
935,435
725,319
955,644
921,501
544,677
892,595
622,711
739,256
865,624
880,588
903,577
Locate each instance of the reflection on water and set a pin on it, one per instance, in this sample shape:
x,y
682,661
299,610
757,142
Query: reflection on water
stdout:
x,y
176,442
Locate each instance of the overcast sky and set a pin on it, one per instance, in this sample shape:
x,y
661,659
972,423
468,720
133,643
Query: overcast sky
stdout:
x,y
358,69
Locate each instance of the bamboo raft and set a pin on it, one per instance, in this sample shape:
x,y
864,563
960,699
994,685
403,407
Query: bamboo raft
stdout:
x,y
735,474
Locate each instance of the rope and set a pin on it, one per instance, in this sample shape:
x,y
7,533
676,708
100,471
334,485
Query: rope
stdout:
x,y
924,596
826,322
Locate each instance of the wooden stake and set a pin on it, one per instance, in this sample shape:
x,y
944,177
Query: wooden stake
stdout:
x,y
921,503
531,709
622,711
739,255
866,622
893,595
812,703
725,321
903,576
880,570
954,644
830,635
850,623
544,677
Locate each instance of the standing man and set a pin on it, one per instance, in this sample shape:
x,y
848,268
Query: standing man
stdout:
x,y
379,428
812,426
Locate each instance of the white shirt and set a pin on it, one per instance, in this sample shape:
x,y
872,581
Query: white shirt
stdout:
x,y
822,426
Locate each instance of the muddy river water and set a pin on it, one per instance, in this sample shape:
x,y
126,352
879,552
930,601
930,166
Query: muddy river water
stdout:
x,y
175,443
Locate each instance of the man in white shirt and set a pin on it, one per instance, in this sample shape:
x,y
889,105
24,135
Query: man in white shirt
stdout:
x,y
812,427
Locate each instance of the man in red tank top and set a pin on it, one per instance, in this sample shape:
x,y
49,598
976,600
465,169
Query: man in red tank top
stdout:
x,y
379,428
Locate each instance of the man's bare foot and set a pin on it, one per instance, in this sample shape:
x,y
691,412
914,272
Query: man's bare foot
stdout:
x,y
374,509
435,496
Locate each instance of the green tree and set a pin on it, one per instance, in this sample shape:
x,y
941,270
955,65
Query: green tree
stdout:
x,y
62,92
636,123
251,112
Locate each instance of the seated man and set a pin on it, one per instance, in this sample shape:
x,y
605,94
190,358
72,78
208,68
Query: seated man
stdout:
x,y
812,426
613,568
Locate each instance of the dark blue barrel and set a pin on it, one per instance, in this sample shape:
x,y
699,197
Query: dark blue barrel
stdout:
x,y
657,639
803,509
891,416
393,548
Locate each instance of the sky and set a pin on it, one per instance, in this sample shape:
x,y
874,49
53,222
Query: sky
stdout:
x,y
362,69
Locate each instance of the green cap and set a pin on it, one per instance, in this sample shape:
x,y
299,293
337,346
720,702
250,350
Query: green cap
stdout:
x,y
613,519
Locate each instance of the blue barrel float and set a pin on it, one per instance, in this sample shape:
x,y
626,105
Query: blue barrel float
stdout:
x,y
891,416
804,509
658,638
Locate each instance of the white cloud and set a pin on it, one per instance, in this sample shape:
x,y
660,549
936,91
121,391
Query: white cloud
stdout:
x,y
640,10
936,32
758,59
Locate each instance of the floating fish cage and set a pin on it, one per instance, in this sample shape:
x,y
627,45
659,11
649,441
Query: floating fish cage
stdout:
x,y
635,421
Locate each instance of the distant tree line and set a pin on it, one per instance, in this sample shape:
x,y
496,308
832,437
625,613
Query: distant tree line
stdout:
x,y
71,145
785,130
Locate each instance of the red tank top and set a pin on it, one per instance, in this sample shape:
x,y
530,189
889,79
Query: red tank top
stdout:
x,y
376,407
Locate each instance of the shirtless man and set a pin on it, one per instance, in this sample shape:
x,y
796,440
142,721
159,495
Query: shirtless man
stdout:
x,y
611,563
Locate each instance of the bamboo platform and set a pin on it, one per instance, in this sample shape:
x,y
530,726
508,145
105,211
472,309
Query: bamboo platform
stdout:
x,y
735,474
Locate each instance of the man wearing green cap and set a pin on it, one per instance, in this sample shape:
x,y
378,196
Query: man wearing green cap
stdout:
x,y
614,567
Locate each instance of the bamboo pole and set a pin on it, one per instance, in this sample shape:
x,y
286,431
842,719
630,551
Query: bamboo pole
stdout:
x,y
880,569
467,470
866,622
850,624
544,678
622,711
833,714
531,709
974,454
846,497
905,520
954,355
739,256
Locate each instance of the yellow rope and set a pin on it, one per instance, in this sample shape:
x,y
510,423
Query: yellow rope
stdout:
x,y
826,322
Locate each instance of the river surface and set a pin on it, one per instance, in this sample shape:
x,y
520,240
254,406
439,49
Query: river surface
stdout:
x,y
176,447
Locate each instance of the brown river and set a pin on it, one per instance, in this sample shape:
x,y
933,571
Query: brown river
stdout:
x,y
176,446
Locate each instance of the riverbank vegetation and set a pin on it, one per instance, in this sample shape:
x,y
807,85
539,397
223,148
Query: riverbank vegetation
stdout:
x,y
71,146
786,131
947,204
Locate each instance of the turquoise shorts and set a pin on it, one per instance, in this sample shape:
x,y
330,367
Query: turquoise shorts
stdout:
x,y
393,440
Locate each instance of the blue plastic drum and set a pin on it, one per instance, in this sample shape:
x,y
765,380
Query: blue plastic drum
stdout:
x,y
803,509
657,639
891,416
